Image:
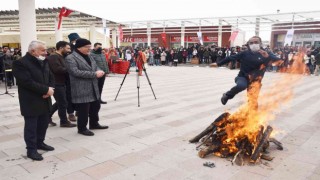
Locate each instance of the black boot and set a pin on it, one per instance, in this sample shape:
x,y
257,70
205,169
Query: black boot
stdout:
x,y
224,99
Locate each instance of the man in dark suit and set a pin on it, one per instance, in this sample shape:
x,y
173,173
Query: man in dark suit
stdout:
x,y
35,87
84,74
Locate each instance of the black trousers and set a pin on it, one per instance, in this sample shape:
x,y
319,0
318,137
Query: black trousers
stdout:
x,y
101,84
35,129
253,90
70,108
61,104
87,111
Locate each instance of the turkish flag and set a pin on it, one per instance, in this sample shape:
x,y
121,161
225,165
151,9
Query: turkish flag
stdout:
x,y
64,12
164,38
233,35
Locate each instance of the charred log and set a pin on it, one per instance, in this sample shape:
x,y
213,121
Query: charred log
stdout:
x,y
210,128
259,148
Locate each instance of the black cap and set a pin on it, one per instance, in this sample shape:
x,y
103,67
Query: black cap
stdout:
x,y
82,42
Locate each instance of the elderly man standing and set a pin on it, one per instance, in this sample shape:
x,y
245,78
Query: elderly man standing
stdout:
x,y
101,62
35,87
84,74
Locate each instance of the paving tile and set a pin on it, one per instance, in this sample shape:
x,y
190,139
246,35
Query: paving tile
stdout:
x,y
292,169
171,174
10,137
75,175
13,172
73,154
103,170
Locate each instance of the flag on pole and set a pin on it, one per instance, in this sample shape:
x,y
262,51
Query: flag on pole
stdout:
x,y
104,25
64,12
200,37
289,37
164,39
233,36
120,33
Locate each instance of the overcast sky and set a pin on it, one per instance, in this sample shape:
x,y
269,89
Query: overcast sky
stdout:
x,y
133,10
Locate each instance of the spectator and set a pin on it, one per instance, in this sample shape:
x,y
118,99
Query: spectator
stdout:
x,y
101,62
59,69
84,74
35,87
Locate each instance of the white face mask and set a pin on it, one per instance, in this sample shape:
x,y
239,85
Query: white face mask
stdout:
x,y
41,58
254,47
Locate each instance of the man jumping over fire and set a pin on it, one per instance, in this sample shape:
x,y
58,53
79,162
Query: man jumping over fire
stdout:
x,y
253,63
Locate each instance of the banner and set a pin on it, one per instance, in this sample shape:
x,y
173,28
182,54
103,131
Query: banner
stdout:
x,y
64,12
233,36
289,37
200,37
139,40
120,33
164,38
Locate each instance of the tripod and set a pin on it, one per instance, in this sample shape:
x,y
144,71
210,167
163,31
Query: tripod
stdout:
x,y
5,77
138,82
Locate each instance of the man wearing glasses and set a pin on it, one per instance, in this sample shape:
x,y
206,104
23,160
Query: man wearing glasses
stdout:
x,y
84,74
253,66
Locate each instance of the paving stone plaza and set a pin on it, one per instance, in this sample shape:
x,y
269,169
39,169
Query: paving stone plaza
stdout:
x,y
151,141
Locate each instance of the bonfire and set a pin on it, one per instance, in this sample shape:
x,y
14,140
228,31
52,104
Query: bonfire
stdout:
x,y
246,134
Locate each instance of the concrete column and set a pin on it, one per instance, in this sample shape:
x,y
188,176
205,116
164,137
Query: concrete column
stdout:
x,y
27,21
220,33
92,34
182,33
58,33
149,34
114,37
257,29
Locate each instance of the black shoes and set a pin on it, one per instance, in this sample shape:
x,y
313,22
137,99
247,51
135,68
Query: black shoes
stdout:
x,y
45,147
86,132
103,102
67,125
35,156
98,126
224,99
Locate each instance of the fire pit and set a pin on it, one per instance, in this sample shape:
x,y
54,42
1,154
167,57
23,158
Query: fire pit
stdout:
x,y
238,136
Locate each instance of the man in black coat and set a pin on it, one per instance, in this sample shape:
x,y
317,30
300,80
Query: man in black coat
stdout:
x,y
35,87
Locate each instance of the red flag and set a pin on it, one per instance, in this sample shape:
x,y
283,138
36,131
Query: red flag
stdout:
x,y
164,38
120,33
233,35
64,12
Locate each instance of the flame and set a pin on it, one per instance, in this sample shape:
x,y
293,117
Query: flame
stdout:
x,y
248,119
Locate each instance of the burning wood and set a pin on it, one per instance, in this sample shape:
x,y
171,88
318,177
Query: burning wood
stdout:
x,y
229,136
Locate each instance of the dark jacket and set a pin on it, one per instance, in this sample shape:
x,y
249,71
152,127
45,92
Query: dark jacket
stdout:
x,y
58,67
100,60
33,79
317,58
253,64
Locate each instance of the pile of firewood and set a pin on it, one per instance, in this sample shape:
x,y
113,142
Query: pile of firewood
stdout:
x,y
242,148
